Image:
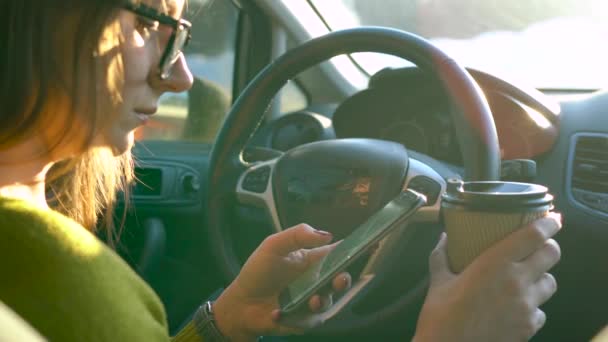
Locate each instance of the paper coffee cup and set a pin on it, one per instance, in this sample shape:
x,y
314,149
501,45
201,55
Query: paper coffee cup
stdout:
x,y
478,214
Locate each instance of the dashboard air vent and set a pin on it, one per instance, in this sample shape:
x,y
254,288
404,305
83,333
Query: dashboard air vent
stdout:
x,y
589,172
590,165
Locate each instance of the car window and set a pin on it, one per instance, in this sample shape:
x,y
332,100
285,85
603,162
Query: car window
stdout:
x,y
292,98
198,114
550,44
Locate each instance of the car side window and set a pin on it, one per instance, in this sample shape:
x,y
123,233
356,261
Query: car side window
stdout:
x,y
293,98
196,115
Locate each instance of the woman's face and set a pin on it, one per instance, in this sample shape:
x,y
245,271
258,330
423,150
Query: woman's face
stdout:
x,y
141,51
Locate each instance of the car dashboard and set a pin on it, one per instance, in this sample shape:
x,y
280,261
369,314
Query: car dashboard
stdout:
x,y
409,107
568,140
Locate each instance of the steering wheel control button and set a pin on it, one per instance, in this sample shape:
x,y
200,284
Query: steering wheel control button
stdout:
x,y
257,180
427,186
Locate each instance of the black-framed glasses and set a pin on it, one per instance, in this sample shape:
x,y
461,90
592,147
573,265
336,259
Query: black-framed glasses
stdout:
x,y
180,35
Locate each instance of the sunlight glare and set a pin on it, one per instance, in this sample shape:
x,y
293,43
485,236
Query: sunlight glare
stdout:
x,y
537,117
315,27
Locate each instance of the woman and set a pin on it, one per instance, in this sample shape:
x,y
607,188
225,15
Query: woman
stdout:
x,y
78,76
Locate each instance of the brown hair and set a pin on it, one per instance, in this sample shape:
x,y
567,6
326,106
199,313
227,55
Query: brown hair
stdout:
x,y
52,54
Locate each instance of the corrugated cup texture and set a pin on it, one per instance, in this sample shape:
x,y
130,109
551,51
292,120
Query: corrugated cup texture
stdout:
x,y
470,233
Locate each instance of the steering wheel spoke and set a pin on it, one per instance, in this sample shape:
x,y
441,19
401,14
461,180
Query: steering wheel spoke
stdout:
x,y
425,180
255,188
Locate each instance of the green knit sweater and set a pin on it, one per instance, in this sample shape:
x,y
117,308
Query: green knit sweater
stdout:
x,y
69,285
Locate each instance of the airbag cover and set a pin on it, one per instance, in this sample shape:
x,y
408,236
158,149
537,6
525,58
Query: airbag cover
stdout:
x,y
336,185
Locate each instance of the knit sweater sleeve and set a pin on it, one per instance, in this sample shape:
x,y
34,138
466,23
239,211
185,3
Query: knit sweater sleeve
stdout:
x,y
188,334
69,285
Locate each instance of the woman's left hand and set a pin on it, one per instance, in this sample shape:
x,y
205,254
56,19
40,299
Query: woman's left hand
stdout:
x,y
249,307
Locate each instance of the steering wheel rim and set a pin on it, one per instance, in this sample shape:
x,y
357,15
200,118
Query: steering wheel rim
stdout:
x,y
471,115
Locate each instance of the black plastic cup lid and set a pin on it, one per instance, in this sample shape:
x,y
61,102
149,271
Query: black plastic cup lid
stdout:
x,y
496,195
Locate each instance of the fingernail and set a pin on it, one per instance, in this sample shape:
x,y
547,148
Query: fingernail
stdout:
x,y
316,303
323,233
346,281
556,216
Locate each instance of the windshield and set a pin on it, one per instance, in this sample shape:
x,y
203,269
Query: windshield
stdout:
x,y
549,44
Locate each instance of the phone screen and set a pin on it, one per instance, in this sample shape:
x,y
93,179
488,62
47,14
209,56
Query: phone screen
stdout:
x,y
370,232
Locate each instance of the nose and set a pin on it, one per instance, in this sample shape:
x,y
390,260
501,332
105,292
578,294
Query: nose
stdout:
x,y
180,78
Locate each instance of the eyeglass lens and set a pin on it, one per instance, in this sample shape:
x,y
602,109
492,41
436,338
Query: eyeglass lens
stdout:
x,y
181,37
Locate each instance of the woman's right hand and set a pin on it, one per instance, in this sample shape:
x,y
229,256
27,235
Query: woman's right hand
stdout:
x,y
497,297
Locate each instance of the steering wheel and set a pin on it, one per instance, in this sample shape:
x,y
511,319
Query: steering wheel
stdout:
x,y
316,182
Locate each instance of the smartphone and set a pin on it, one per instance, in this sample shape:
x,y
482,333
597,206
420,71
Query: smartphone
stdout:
x,y
393,215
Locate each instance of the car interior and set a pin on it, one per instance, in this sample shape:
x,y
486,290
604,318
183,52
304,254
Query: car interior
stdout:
x,y
286,124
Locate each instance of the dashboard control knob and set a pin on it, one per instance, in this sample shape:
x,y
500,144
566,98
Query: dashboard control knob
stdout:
x,y
191,183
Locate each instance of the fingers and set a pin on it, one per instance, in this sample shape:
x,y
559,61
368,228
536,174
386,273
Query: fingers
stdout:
x,y
315,255
294,323
299,237
542,260
539,318
280,329
438,262
543,289
342,282
323,300
319,303
314,303
532,325
527,240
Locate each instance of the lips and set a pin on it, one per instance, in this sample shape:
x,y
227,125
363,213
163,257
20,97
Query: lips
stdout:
x,y
142,117
146,111
143,114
